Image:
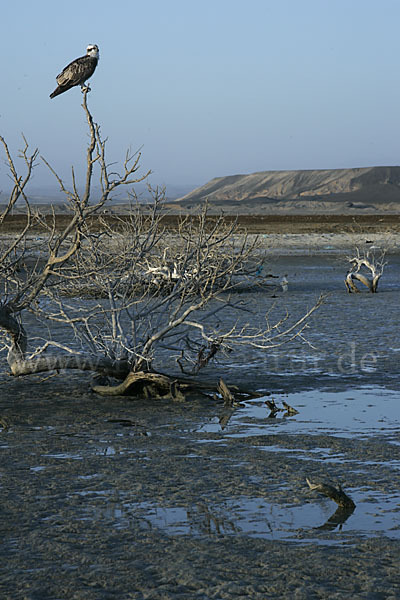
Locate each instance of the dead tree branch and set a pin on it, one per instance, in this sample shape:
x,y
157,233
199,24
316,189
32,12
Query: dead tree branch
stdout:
x,y
367,268
127,293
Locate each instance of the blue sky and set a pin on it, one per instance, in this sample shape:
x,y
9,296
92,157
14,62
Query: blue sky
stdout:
x,y
208,88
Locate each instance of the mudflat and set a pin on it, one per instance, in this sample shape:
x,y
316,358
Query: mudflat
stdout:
x,y
112,498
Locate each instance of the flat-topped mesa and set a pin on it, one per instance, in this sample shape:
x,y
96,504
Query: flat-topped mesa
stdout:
x,y
368,184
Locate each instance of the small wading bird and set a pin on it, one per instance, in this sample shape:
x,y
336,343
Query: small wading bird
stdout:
x,y
78,71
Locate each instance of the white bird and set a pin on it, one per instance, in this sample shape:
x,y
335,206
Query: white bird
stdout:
x,y
284,284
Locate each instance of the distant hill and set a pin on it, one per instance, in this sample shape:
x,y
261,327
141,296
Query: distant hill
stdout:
x,y
366,189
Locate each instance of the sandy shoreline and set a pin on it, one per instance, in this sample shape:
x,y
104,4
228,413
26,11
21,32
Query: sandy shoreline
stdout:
x,y
294,243
323,243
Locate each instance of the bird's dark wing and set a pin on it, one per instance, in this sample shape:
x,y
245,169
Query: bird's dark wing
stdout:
x,y
77,71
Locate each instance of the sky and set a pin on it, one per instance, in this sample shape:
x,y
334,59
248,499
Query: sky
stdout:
x,y
206,89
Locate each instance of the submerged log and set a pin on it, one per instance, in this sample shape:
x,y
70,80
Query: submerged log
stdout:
x,y
335,494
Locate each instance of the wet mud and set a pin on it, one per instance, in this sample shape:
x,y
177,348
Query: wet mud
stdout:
x,y
112,498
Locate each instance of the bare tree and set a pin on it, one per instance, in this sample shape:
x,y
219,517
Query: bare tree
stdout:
x,y
147,292
367,268
30,266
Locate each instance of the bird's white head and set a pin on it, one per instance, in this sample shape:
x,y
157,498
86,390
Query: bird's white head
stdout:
x,y
93,51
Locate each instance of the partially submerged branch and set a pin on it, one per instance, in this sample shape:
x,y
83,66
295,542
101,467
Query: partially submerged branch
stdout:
x,y
335,494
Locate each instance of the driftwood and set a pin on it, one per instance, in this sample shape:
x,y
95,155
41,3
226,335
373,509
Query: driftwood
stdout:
x,y
146,385
230,401
274,409
290,411
335,494
226,394
154,385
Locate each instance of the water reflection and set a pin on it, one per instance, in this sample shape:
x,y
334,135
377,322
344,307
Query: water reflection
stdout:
x,y
338,518
360,413
253,517
208,522
163,455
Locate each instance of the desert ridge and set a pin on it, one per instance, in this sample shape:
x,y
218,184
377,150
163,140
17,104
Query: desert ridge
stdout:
x,y
365,189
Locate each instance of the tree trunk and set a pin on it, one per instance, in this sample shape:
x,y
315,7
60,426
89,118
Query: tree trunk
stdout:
x,y
146,385
106,366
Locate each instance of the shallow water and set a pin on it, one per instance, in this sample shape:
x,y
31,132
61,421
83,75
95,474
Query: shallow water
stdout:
x,y
357,413
106,496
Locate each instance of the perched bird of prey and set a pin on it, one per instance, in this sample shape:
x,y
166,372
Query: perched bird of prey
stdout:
x,y
78,71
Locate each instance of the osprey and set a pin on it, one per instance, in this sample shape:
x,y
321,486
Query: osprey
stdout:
x,y
78,71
